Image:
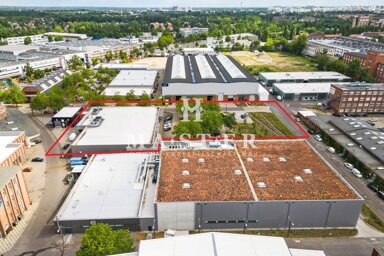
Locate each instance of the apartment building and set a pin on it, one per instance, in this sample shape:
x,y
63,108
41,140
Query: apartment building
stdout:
x,y
380,73
12,148
357,98
14,198
193,31
372,61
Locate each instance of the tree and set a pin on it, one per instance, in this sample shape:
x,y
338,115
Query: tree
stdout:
x,y
100,239
229,121
59,38
298,44
40,102
14,95
38,74
56,100
75,63
227,39
353,69
254,45
109,56
28,70
50,38
321,60
191,128
130,95
211,121
27,40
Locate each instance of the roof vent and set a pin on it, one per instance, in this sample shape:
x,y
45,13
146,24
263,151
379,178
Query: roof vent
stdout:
x,y
298,179
306,171
186,185
237,172
185,173
353,134
266,159
185,160
249,159
374,137
359,138
261,184
373,148
201,160
282,159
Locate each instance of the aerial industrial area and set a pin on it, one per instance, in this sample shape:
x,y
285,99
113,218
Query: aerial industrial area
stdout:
x,y
192,131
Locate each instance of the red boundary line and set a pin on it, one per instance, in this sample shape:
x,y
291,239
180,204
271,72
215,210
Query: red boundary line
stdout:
x,y
167,102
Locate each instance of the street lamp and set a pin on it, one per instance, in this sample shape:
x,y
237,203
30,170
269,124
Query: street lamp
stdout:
x,y
290,224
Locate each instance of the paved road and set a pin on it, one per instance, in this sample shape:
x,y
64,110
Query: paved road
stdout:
x,y
39,236
338,246
360,185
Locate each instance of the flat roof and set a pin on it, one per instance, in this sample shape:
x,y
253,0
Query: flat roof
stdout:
x,y
134,78
193,70
287,160
362,133
107,189
121,125
18,48
213,180
275,169
359,86
123,66
303,87
303,75
111,91
7,145
67,112
215,244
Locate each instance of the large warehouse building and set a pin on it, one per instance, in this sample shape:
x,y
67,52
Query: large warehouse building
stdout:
x,y
269,78
115,129
265,186
212,77
112,189
137,81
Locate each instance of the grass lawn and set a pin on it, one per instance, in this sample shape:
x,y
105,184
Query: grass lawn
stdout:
x,y
143,235
274,122
256,129
297,233
273,62
371,218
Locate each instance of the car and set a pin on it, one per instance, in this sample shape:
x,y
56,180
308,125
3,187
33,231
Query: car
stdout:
x,y
235,116
318,137
37,159
311,131
66,146
381,194
348,165
244,116
37,141
357,173
168,118
298,120
373,187
336,114
331,150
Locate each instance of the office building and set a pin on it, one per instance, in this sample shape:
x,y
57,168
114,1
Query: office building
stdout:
x,y
356,98
192,31
212,77
66,116
269,78
14,198
372,61
302,91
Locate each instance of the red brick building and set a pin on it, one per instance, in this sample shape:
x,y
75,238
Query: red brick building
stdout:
x,y
371,61
355,98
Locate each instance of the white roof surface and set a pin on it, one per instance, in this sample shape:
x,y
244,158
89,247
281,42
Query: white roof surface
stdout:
x,y
111,91
121,125
139,78
303,87
122,66
231,68
215,244
67,112
302,252
178,67
185,89
106,189
306,113
6,146
303,75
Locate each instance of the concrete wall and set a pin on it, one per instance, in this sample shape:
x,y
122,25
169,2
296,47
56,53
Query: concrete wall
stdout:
x,y
79,226
175,215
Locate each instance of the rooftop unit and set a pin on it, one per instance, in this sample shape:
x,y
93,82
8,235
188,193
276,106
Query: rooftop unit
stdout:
x,y
186,185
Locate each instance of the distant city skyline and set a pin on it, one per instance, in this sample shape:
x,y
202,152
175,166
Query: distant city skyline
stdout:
x,y
183,3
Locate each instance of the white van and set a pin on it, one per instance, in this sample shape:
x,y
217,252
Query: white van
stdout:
x,y
357,173
72,137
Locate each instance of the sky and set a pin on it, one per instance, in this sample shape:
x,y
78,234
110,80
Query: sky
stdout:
x,y
183,3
